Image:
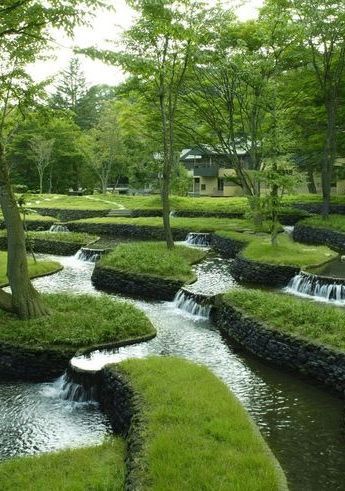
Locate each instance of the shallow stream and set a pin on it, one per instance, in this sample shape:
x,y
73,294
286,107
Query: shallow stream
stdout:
x,y
302,423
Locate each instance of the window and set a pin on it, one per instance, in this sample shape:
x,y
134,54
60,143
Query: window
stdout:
x,y
203,187
220,184
197,180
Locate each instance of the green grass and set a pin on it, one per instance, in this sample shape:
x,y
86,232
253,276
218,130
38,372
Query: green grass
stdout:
x,y
154,259
287,252
311,198
77,322
197,436
93,468
333,222
313,321
69,237
39,268
200,224
61,201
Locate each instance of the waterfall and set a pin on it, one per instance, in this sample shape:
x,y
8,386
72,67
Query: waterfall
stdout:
x,y
186,301
288,229
321,288
58,228
64,388
172,214
198,239
90,255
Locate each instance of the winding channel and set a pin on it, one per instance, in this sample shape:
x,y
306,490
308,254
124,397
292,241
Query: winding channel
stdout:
x,y
302,423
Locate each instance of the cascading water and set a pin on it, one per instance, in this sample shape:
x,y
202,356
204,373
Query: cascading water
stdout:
x,y
198,239
317,287
87,254
66,389
288,229
58,228
185,301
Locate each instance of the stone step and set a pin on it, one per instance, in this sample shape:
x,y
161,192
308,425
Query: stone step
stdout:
x,y
120,213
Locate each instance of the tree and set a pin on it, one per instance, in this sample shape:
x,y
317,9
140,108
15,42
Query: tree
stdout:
x,y
42,151
157,52
24,31
71,88
321,29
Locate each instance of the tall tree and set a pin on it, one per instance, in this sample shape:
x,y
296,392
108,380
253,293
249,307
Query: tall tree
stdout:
x,y
71,88
41,151
24,31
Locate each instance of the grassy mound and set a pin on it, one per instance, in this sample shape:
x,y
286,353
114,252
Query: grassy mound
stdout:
x,y
200,224
39,268
77,322
100,467
287,252
316,322
154,259
333,222
196,435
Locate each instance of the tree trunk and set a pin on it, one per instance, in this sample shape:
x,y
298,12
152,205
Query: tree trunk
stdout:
x,y
50,180
41,182
328,156
311,181
274,215
25,300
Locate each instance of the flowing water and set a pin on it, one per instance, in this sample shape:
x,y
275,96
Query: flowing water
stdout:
x,y
302,423
321,289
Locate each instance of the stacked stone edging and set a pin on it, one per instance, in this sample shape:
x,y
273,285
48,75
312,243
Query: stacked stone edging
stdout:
x,y
127,230
137,285
319,236
227,246
48,246
32,364
248,271
317,208
71,214
39,225
323,364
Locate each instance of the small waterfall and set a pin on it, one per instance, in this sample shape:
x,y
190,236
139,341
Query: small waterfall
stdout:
x,y
172,214
87,254
64,388
288,229
198,239
186,301
320,287
58,228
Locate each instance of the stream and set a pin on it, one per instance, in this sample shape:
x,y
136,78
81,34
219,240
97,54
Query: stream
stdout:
x,y
302,423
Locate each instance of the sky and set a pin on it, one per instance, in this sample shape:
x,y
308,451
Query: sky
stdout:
x,y
105,26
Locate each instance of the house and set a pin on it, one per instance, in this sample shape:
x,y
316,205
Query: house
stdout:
x,y
212,171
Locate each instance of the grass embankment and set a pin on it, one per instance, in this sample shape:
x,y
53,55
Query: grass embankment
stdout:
x,y
316,322
100,467
154,259
292,199
39,268
62,201
333,222
200,224
286,253
196,433
69,237
77,322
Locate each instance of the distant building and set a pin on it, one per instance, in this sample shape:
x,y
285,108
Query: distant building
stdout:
x,y
212,171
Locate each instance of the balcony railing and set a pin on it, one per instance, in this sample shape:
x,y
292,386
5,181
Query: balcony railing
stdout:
x,y
205,171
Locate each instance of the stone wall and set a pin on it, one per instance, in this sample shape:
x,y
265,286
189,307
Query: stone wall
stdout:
x,y
248,271
126,230
226,246
32,364
319,362
33,224
317,208
112,280
71,214
48,246
319,236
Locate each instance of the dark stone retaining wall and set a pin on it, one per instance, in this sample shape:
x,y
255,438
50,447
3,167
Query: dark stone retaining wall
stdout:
x,y
64,214
33,224
319,362
112,280
32,364
248,271
48,246
317,208
226,246
319,236
126,230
